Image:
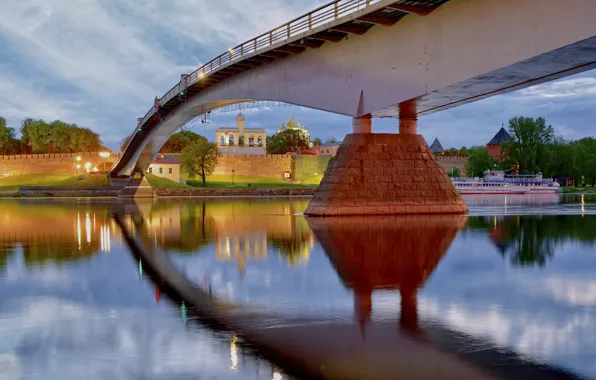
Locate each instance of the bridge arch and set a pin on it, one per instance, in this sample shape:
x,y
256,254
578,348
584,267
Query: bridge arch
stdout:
x,y
383,58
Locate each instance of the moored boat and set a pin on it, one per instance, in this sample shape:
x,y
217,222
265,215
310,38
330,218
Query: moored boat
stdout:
x,y
497,182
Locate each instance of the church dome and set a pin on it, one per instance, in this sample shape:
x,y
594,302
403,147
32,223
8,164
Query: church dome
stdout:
x,y
240,116
293,124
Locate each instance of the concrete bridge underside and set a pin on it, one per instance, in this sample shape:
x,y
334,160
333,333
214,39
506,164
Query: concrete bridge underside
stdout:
x,y
464,50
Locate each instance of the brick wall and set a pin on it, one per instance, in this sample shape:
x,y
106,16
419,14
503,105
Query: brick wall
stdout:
x,y
450,162
50,163
256,165
269,165
306,166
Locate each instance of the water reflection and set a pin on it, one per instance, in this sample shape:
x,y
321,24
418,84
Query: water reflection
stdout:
x,y
386,253
363,296
531,240
50,232
240,231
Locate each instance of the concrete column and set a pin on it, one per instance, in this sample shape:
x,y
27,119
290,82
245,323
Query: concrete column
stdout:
x,y
362,124
408,118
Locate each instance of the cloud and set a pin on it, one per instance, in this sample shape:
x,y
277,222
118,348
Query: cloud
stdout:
x,y
99,63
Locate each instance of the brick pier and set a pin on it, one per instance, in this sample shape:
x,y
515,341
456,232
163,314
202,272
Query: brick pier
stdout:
x,y
384,174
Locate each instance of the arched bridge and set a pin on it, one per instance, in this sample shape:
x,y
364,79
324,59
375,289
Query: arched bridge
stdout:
x,y
382,58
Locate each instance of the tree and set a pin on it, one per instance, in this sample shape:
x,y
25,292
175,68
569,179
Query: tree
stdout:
x,y
317,142
290,140
529,144
6,135
478,162
180,140
175,144
200,159
332,140
454,173
58,137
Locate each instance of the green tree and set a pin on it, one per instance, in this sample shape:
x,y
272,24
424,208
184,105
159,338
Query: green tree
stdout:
x,y
454,173
332,140
317,142
478,162
200,159
58,137
290,140
180,140
6,136
529,144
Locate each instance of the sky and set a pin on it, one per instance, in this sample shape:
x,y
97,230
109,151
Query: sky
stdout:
x,y
100,63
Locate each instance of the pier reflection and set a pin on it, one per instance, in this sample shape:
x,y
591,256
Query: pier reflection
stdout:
x,y
386,253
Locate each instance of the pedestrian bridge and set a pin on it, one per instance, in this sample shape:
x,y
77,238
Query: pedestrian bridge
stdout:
x,y
382,58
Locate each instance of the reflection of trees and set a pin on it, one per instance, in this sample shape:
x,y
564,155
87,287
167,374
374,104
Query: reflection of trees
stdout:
x,y
57,252
530,240
5,252
295,245
294,249
52,232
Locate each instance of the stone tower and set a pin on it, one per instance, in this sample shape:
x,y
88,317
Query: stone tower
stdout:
x,y
240,123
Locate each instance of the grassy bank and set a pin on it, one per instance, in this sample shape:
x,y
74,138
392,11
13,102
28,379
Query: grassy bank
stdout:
x,y
218,181
578,189
13,182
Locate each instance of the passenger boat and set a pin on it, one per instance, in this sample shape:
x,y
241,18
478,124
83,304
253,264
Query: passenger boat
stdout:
x,y
497,182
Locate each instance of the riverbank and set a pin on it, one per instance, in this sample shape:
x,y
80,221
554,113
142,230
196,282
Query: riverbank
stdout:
x,y
187,192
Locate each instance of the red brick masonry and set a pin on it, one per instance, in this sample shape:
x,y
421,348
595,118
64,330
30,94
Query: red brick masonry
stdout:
x,y
380,174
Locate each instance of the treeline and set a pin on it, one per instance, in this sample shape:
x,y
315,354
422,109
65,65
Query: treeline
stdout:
x,y
534,148
39,136
175,144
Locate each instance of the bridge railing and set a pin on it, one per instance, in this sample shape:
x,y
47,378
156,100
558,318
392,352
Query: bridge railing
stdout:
x,y
313,19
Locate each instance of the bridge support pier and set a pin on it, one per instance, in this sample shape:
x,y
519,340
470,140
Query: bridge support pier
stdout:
x,y
384,174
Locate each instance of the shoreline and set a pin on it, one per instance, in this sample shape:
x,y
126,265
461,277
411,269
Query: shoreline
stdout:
x,y
115,192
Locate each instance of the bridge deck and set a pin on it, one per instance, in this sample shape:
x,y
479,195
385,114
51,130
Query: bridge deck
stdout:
x,y
331,22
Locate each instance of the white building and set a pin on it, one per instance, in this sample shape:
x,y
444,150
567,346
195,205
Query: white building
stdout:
x,y
166,167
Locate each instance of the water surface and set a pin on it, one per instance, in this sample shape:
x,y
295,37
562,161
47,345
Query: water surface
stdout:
x,y
515,279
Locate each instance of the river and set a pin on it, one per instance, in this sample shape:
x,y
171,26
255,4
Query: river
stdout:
x,y
508,291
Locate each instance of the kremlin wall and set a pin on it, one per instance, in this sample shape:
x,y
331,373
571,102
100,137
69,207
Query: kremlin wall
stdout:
x,y
270,165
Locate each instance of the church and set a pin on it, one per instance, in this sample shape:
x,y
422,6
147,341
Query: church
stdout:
x,y
241,140
295,125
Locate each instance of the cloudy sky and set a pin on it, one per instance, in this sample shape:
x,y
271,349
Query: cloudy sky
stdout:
x,y
99,63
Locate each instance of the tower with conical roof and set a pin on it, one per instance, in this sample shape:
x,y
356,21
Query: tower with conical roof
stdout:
x,y
436,147
494,145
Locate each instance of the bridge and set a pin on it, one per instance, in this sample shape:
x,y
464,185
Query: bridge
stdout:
x,y
382,59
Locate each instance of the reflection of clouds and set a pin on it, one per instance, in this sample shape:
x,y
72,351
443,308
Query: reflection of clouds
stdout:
x,y
542,334
10,367
573,292
60,339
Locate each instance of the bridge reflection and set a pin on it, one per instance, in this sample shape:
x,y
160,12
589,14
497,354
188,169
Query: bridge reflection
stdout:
x,y
369,255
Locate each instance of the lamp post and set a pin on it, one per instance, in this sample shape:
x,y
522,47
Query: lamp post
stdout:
x,y
77,165
105,156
